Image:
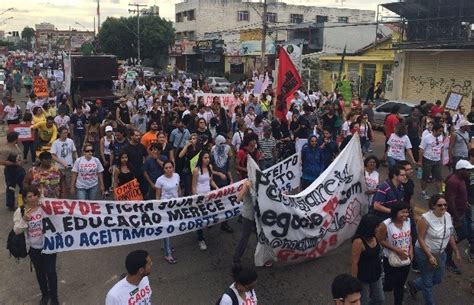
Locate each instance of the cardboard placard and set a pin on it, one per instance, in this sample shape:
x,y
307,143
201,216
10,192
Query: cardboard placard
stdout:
x,y
40,86
128,191
453,101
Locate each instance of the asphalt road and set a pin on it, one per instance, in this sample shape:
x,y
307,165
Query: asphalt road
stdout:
x,y
199,277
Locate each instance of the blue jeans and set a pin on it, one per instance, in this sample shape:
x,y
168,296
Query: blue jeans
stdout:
x,y
87,194
167,246
372,293
391,162
429,276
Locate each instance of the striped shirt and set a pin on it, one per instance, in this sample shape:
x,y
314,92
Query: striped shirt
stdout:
x,y
266,146
387,195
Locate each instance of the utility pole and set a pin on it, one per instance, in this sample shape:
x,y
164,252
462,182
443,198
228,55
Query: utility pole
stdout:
x,y
98,16
137,10
264,33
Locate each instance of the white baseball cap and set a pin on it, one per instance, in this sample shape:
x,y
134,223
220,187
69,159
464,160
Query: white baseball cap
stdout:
x,y
464,164
108,128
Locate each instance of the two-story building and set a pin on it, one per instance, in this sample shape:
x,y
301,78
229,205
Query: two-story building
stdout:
x,y
435,56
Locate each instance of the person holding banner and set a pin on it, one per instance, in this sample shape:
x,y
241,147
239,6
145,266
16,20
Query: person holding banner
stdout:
x,y
188,153
201,184
395,237
29,221
87,175
167,187
123,172
312,161
46,177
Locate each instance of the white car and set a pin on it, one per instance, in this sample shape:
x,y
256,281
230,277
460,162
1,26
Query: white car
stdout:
x,y
218,84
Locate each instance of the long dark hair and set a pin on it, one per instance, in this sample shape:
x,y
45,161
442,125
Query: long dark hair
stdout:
x,y
129,164
367,226
199,163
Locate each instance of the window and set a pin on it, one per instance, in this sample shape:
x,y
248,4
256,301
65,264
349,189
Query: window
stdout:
x,y
343,19
191,15
272,17
178,35
243,15
321,19
296,18
179,17
191,34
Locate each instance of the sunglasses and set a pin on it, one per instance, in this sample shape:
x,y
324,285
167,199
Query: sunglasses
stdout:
x,y
89,150
442,205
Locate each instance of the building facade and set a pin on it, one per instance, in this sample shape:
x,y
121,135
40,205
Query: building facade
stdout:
x,y
435,56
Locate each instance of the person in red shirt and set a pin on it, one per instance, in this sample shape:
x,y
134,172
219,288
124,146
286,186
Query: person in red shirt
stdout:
x,y
437,109
248,147
391,121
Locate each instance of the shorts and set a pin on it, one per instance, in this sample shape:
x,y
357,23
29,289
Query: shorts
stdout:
x,y
431,168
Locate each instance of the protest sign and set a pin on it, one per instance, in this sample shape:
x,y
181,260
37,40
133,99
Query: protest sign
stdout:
x,y
128,191
453,101
40,86
318,219
24,132
79,225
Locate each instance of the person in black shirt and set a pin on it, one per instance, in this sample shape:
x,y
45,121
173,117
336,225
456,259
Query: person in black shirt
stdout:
x,y
122,113
413,124
136,156
78,127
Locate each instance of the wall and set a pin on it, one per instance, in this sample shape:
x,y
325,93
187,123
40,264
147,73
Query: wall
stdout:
x,y
430,75
213,15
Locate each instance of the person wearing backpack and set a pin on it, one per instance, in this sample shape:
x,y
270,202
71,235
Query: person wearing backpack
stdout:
x,y
241,292
30,223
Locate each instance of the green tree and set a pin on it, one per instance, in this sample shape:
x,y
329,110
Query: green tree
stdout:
x,y
118,36
28,34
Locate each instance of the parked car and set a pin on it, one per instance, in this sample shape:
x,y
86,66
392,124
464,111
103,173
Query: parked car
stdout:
x,y
218,84
381,111
148,72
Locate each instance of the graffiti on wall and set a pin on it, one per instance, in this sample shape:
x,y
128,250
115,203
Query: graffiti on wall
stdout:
x,y
441,84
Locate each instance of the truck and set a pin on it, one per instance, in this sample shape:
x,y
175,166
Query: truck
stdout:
x,y
88,78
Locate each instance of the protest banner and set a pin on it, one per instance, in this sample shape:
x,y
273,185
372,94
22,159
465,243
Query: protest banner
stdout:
x,y
128,191
80,225
318,219
40,86
24,132
228,101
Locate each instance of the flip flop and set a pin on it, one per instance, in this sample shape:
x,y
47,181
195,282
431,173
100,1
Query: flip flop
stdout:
x,y
171,260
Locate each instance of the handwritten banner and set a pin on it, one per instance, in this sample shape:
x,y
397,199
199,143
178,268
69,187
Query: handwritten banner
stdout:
x,y
321,217
40,86
24,130
82,225
128,191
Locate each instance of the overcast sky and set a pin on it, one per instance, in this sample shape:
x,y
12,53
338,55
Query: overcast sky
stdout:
x,y
65,13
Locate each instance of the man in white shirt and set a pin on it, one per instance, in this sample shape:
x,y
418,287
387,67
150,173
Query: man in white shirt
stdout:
x,y
458,117
431,149
135,287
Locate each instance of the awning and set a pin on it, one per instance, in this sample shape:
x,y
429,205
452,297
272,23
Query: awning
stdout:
x,y
407,10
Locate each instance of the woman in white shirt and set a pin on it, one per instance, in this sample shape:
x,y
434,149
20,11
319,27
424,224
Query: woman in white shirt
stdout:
x,y
398,143
434,233
394,234
242,289
87,176
28,220
167,187
371,164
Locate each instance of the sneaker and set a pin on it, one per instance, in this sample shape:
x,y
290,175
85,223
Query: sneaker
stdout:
x,y
453,268
425,195
412,289
470,255
202,245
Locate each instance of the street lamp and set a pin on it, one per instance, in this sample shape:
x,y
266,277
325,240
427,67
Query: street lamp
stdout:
x,y
4,21
81,25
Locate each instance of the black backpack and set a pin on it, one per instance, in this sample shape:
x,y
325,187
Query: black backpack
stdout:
x,y
16,244
230,292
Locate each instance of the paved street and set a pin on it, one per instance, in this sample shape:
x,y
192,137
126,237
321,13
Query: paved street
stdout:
x,y
199,277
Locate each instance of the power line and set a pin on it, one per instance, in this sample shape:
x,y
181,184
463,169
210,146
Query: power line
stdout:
x,y
137,10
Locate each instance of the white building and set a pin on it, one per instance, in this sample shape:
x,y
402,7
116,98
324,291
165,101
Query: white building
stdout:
x,y
194,18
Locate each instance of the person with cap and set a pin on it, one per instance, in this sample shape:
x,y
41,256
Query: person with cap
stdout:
x,y
220,160
105,150
346,289
458,205
267,145
459,143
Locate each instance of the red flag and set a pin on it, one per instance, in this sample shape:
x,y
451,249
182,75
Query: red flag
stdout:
x,y
288,78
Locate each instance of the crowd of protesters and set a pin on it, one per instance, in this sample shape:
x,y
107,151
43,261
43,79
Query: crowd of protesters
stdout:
x,y
174,143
